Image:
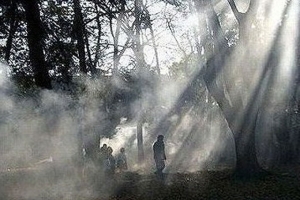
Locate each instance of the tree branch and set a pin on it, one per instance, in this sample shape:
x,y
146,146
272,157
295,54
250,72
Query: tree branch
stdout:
x,y
234,9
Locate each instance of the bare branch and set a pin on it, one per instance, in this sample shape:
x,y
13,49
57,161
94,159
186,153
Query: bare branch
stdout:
x,y
235,11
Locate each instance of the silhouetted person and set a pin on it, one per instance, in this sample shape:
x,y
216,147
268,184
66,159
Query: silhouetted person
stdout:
x,y
109,163
102,153
122,160
90,159
159,155
89,150
103,149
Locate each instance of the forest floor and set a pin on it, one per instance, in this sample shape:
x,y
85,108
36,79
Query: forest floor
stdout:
x,y
40,185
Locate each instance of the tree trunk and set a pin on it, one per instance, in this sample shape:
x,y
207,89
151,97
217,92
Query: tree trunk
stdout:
x,y
140,144
12,29
241,118
79,33
140,60
116,34
294,119
138,47
246,160
35,42
242,127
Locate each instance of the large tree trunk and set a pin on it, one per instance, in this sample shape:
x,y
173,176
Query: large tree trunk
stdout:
x,y
79,33
35,42
242,123
294,110
240,109
246,159
241,118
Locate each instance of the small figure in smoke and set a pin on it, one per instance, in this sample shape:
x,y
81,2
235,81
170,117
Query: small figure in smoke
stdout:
x,y
103,151
109,163
159,155
122,161
102,155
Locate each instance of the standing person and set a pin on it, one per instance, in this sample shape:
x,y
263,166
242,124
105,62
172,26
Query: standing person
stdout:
x,y
110,163
122,160
102,156
102,153
159,155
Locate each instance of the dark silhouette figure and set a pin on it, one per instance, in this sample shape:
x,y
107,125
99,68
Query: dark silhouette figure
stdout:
x,y
159,155
103,149
122,160
110,163
102,156
103,152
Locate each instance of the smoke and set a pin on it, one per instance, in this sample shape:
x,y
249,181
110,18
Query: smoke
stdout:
x,y
196,139
41,130
38,142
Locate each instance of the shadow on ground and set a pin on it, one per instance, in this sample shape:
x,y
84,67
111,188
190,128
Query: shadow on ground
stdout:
x,y
36,184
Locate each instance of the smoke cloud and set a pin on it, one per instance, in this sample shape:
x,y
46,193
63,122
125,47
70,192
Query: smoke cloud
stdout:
x,y
41,131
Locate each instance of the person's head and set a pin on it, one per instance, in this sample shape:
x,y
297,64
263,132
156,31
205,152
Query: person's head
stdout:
x,y
104,145
122,150
160,138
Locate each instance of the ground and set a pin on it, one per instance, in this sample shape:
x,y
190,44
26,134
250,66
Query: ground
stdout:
x,y
43,184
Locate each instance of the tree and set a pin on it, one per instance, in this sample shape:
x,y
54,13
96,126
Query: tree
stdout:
x,y
241,109
229,79
293,119
241,119
35,36
79,31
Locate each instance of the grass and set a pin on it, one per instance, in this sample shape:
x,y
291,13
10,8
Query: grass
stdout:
x,y
48,184
214,185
